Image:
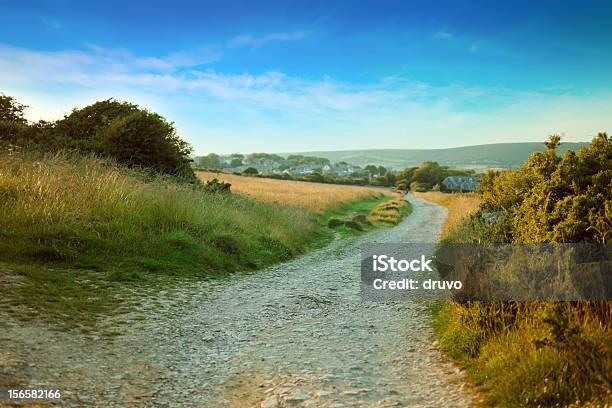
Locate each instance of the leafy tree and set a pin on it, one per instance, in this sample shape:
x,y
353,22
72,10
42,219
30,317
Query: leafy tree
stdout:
x,y
236,162
13,126
371,169
427,175
264,156
11,110
122,130
210,161
80,129
146,139
250,170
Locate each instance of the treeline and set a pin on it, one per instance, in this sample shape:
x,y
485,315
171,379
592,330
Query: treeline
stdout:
x,y
387,180
129,134
540,353
319,178
427,176
213,161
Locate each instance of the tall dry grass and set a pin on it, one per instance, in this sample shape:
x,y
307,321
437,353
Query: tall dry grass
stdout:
x,y
85,210
300,194
460,206
524,354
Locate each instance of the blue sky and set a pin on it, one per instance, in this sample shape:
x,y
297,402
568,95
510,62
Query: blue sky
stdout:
x,y
298,76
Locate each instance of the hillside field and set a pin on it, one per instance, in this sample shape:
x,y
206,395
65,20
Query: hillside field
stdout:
x,y
479,157
296,194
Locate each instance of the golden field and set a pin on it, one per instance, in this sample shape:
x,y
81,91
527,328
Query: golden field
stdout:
x,y
460,206
301,194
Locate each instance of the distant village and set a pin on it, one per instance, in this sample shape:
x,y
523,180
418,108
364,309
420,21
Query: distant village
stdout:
x,y
430,175
264,163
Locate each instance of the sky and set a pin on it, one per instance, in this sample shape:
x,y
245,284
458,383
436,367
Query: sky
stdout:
x,y
266,76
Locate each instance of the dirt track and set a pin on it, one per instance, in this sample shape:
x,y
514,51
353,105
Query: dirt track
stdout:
x,y
298,334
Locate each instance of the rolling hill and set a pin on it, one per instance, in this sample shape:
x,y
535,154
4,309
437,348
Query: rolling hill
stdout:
x,y
479,157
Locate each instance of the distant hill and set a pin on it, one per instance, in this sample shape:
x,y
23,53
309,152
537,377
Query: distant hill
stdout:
x,y
480,157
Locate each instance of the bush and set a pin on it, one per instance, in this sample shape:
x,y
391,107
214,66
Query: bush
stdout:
x,y
215,186
555,199
129,134
418,187
250,170
539,353
145,139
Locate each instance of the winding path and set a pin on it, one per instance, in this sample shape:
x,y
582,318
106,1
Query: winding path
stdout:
x,y
297,334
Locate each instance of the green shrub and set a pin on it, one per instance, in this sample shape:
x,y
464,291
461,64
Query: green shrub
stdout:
x,y
539,353
129,134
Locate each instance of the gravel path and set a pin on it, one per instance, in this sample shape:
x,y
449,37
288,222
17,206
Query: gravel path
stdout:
x,y
298,334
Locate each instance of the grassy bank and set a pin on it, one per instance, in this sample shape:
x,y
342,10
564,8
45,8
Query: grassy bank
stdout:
x,y
74,229
78,234
525,353
88,213
366,214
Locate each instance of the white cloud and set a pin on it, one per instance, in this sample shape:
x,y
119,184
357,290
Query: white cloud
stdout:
x,y
249,40
443,34
273,111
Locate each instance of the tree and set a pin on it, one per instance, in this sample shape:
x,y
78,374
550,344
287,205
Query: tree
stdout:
x,y
143,138
211,161
81,128
11,110
13,125
250,170
371,169
237,162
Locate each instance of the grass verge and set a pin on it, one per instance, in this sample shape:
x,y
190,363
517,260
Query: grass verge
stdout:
x,y
357,216
79,234
72,227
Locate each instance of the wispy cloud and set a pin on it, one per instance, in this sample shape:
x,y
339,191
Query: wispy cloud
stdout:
x,y
443,34
274,111
253,41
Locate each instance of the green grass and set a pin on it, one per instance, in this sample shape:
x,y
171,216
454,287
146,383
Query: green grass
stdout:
x,y
78,230
86,213
79,236
378,210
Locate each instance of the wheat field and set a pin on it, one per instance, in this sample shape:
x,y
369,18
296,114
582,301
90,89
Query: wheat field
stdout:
x,y
460,206
300,194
